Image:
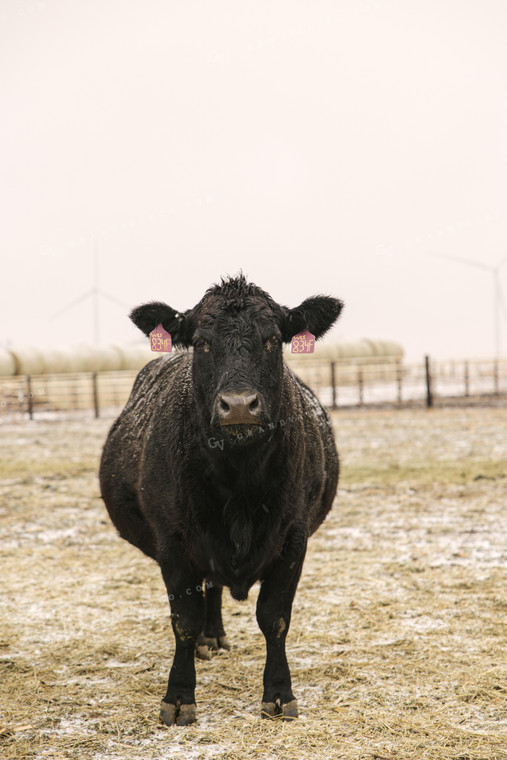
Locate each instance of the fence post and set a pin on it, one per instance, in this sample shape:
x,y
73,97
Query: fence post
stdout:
x,y
399,376
29,396
95,395
467,378
429,391
495,376
360,385
333,385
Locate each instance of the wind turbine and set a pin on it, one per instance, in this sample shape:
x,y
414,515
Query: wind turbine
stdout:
x,y
498,301
94,294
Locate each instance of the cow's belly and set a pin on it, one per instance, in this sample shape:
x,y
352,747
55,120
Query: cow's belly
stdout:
x,y
220,566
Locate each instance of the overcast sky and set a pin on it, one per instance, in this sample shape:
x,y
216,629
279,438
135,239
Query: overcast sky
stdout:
x,y
321,147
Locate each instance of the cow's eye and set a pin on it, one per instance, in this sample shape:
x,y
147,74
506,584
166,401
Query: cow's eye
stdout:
x,y
201,345
271,342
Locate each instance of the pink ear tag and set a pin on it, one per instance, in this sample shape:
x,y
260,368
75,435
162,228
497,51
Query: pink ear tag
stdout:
x,y
303,343
160,340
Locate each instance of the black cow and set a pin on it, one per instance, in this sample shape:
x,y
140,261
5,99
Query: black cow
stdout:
x,y
220,467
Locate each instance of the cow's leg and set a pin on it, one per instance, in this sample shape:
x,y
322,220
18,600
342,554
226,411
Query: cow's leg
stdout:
x,y
274,607
184,587
213,636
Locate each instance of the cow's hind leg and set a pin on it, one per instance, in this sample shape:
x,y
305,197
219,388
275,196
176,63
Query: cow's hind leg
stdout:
x,y
186,597
213,636
274,608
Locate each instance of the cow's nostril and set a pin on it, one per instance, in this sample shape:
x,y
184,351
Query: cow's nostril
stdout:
x,y
239,408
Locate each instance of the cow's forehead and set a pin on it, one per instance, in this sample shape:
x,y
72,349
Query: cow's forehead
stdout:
x,y
217,311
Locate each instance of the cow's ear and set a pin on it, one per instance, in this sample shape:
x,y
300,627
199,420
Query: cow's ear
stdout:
x,y
179,325
317,314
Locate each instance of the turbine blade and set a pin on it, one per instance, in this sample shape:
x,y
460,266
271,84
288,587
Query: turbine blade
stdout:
x,y
71,305
117,301
501,299
462,261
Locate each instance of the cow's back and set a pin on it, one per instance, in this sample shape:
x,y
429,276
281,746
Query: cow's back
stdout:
x,y
157,383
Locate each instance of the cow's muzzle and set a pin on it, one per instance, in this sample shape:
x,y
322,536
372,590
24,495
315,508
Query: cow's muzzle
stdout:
x,y
244,408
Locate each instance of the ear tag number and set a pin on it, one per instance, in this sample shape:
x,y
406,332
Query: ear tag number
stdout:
x,y
303,343
160,340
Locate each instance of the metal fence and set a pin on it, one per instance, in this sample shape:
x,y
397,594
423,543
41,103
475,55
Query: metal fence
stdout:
x,y
338,384
51,396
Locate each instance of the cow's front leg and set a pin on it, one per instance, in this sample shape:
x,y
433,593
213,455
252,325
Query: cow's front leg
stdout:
x,y
188,611
274,607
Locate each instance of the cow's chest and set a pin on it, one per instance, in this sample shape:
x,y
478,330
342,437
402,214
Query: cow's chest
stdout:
x,y
235,541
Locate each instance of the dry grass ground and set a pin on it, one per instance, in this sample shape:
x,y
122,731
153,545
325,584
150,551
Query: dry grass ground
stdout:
x,y
398,641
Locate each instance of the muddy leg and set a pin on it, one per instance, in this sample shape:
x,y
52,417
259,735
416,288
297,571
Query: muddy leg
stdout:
x,y
187,618
274,607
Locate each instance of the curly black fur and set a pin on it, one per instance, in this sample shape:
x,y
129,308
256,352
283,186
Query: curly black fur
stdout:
x,y
225,506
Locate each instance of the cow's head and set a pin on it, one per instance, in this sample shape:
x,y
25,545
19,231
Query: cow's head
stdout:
x,y
237,332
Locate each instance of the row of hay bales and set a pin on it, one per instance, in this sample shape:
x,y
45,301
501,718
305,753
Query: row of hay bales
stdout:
x,y
362,350
34,360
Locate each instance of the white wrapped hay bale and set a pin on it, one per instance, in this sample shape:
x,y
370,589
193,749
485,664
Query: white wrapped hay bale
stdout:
x,y
107,359
7,362
70,359
57,359
135,357
29,360
86,358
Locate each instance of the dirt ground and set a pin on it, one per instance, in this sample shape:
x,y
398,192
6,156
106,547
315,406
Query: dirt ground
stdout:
x,y
398,642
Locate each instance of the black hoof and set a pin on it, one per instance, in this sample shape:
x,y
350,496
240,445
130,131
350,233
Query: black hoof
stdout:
x,y
171,715
276,711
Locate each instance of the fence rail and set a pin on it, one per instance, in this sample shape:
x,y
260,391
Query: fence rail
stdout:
x,y
336,383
